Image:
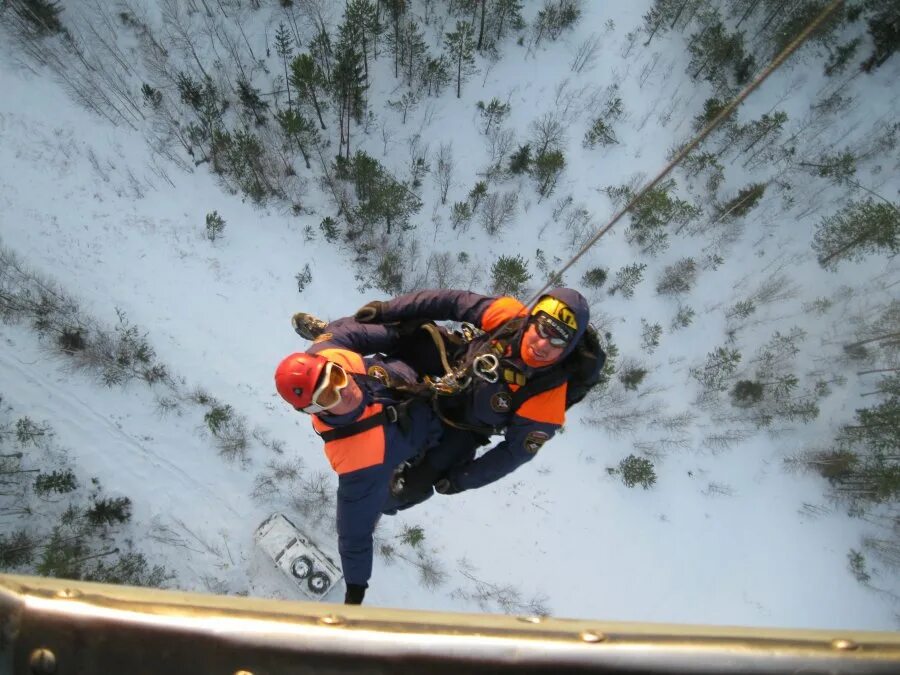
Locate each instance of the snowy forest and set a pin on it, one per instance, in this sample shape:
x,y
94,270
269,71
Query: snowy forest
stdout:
x,y
177,177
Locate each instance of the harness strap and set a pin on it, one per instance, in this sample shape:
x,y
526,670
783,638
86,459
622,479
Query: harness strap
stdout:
x,y
390,414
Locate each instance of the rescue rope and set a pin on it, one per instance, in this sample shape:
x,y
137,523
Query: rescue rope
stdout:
x,y
723,114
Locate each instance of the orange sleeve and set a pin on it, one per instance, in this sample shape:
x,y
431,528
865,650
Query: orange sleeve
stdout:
x,y
548,406
501,310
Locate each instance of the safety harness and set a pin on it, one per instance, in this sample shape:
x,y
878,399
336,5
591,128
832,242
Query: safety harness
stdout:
x,y
488,363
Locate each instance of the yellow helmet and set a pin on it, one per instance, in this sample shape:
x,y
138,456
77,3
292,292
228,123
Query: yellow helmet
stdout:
x,y
557,309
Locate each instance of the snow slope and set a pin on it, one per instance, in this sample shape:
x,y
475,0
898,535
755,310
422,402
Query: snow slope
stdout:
x,y
80,202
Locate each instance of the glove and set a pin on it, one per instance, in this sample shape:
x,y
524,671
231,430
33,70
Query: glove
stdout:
x,y
371,312
410,482
355,594
445,486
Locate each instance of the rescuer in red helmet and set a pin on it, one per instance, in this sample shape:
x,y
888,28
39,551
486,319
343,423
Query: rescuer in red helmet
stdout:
x,y
369,429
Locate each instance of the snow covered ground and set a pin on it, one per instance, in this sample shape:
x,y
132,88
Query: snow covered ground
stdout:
x,y
720,539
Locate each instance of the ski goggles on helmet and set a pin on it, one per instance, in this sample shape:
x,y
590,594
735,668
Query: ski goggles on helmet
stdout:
x,y
328,392
553,330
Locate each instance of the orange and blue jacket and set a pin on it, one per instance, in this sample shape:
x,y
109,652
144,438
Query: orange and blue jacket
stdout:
x,y
364,461
536,419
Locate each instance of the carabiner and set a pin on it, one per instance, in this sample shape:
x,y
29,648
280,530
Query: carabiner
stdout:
x,y
487,366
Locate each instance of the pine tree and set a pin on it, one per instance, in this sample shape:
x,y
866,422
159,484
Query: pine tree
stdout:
x,y
363,29
493,113
460,46
506,14
322,52
309,81
884,27
635,471
719,56
520,161
284,47
436,75
409,50
631,377
594,277
655,210
678,278
397,9
738,207
859,229
42,15
300,130
347,88
251,102
215,225
509,275
546,170
627,279
720,365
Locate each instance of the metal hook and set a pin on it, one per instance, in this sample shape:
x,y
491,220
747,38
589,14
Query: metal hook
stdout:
x,y
486,366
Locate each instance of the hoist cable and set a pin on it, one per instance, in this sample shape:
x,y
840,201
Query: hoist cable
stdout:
x,y
717,120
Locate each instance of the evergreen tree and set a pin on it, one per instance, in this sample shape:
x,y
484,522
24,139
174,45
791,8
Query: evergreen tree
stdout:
x,y
363,29
509,275
347,88
460,46
650,334
627,279
397,9
594,277
42,15
284,47
251,102
718,56
505,14
650,215
738,207
861,228
678,278
492,114
322,52
409,49
308,81
477,193
520,160
436,75
884,27
300,130
546,170
215,225
631,377
720,365
635,471
108,511
60,482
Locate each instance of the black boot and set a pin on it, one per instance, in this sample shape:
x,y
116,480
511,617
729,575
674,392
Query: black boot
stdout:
x,y
307,326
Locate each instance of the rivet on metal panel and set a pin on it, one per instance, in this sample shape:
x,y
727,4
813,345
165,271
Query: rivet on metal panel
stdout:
x,y
68,593
592,636
42,662
331,620
844,644
531,619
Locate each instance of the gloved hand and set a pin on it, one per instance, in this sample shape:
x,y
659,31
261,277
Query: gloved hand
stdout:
x,y
371,312
410,482
445,486
355,594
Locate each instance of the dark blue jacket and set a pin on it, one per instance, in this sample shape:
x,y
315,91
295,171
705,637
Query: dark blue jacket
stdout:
x,y
537,419
364,462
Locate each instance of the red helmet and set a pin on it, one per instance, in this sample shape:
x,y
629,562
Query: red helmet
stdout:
x,y
296,378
